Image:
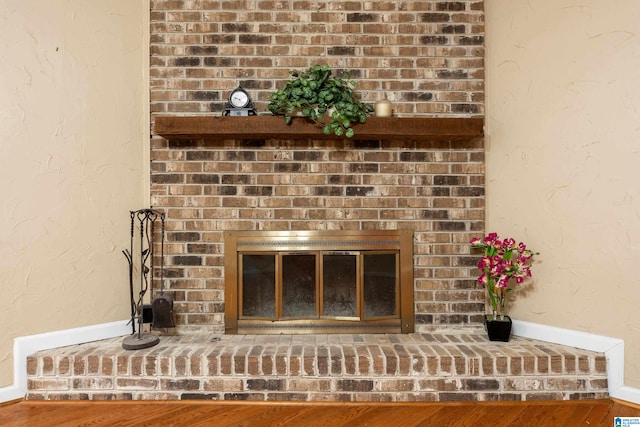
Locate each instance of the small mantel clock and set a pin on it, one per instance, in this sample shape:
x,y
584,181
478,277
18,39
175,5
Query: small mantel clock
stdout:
x,y
239,104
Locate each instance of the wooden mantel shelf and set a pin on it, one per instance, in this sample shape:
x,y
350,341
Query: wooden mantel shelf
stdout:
x,y
273,127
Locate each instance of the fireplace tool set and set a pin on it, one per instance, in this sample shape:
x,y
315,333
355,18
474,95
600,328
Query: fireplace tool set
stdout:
x,y
159,311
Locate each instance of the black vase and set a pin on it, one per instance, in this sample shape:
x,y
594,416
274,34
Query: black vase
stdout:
x,y
498,329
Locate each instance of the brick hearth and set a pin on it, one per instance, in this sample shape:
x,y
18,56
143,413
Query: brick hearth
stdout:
x,y
451,366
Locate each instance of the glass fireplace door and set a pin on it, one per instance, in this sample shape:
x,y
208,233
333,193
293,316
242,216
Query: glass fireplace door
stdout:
x,y
299,286
352,286
258,290
381,289
340,286
297,282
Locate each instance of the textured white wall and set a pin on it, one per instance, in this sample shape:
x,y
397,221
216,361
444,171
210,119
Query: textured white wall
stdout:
x,y
73,110
563,149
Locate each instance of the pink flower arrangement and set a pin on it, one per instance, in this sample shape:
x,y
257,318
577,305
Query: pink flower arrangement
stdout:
x,y
503,260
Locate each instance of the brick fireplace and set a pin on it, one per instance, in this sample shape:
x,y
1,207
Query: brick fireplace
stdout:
x,y
420,172
425,56
383,186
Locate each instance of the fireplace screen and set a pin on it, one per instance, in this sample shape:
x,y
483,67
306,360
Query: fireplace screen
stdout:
x,y
352,285
318,282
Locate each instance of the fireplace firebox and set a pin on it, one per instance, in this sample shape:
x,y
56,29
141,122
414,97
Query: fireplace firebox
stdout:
x,y
296,282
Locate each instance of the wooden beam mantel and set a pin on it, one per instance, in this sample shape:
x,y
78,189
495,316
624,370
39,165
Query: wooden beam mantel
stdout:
x,y
274,127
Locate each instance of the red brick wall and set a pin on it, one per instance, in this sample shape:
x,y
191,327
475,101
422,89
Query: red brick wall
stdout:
x,y
426,56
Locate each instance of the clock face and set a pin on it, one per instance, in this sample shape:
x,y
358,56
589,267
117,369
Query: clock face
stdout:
x,y
239,98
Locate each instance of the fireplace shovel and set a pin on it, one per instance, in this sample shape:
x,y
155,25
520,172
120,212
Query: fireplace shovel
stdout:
x,y
162,304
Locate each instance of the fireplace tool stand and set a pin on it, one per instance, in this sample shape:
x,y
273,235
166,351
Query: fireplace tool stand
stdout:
x,y
142,313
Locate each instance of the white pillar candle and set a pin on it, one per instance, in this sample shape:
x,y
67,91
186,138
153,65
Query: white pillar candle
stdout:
x,y
383,108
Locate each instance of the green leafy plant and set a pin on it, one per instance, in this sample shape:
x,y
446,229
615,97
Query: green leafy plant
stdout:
x,y
316,92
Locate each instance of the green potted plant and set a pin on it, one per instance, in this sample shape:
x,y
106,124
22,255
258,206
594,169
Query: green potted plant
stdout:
x,y
503,262
316,92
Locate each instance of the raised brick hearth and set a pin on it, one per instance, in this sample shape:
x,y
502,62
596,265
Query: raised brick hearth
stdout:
x,y
448,366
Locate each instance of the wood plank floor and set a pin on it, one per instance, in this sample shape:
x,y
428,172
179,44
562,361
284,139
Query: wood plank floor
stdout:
x,y
176,413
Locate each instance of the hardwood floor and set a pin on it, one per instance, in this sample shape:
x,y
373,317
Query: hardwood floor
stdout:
x,y
198,413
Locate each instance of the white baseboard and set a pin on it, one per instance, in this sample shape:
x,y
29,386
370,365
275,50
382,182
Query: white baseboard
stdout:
x,y
11,392
25,346
612,348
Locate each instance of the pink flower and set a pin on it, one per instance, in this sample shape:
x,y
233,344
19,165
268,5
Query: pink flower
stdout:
x,y
503,260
